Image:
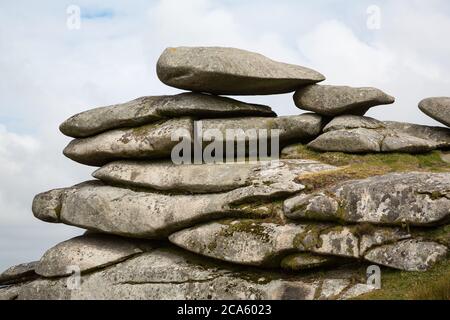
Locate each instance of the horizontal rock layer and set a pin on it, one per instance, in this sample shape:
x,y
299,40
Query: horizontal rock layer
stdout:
x,y
437,108
144,214
168,273
352,134
230,71
207,178
256,243
146,110
338,100
400,198
156,140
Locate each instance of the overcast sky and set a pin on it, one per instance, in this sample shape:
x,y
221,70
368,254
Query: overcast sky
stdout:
x,y
49,72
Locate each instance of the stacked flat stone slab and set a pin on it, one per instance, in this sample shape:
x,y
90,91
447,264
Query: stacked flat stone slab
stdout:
x,y
239,229
437,108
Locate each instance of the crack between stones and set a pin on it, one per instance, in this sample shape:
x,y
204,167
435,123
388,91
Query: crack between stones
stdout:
x,y
171,282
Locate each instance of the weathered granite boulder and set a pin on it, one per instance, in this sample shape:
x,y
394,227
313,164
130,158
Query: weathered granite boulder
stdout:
x,y
338,100
351,141
265,244
409,255
142,214
147,110
417,199
207,178
167,273
440,137
346,122
10,292
405,143
157,140
20,273
230,71
86,253
354,134
437,108
149,141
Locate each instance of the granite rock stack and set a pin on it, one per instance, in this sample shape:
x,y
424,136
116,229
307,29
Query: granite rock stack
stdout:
x,y
334,196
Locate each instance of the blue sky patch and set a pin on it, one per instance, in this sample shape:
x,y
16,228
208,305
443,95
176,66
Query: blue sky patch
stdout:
x,y
97,13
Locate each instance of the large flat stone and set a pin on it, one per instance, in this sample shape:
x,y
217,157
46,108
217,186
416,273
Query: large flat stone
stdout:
x,y
141,214
437,108
147,110
351,141
230,71
166,274
84,254
346,122
409,255
390,138
207,178
259,243
148,142
338,100
400,198
440,137
154,141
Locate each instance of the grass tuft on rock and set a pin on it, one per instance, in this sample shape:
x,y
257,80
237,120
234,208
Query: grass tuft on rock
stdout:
x,y
357,166
402,285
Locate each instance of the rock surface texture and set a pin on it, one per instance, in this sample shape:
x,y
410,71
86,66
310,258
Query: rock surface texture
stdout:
x,y
147,110
230,71
354,134
338,100
437,108
175,213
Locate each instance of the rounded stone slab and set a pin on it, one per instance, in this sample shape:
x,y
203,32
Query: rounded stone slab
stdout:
x,y
47,205
149,141
405,143
408,255
20,273
338,100
141,214
418,199
351,141
437,136
155,140
85,253
146,110
207,178
437,108
352,122
167,273
363,140
230,71
264,244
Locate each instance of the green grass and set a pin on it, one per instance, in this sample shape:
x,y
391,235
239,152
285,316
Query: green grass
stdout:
x,y
401,285
361,166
